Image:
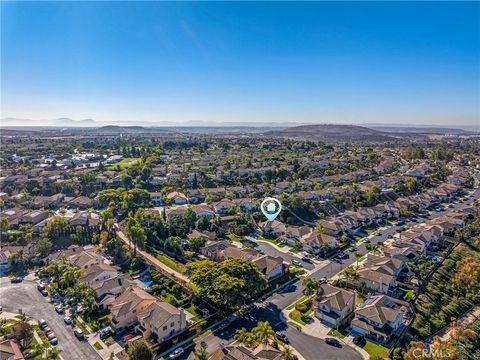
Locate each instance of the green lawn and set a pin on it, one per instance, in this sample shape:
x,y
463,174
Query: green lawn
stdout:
x,y
81,326
408,294
124,164
98,346
234,237
170,263
299,301
192,309
375,351
336,333
273,241
41,334
299,317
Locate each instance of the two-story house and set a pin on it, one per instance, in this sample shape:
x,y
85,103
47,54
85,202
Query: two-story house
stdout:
x,y
334,306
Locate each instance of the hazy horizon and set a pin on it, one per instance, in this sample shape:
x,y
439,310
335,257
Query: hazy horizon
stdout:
x,y
128,63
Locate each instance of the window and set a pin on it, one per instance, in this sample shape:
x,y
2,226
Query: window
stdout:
x,y
172,324
165,328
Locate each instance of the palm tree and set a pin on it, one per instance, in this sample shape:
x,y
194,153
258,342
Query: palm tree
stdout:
x,y
351,273
263,332
200,353
357,256
311,286
242,335
287,354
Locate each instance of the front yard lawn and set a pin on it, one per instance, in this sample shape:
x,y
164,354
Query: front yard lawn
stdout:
x,y
98,346
273,241
336,333
80,325
375,351
301,318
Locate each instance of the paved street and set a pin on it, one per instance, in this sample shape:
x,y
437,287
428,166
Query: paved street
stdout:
x,y
26,297
272,251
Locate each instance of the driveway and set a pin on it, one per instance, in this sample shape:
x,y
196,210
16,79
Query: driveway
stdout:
x,y
26,297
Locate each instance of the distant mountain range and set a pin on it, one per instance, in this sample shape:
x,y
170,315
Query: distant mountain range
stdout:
x,y
342,132
333,132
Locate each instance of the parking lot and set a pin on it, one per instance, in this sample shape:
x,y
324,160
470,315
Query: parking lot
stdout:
x,y
24,296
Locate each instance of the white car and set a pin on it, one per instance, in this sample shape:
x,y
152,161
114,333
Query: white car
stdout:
x,y
176,353
297,263
67,320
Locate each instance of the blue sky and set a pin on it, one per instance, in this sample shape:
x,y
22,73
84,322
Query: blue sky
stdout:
x,y
242,62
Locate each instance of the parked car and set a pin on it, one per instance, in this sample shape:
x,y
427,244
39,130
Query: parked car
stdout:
x,y
322,280
282,337
16,280
105,332
54,341
44,292
175,354
59,309
40,287
288,288
79,334
297,263
333,342
42,323
51,336
46,329
307,260
128,337
67,320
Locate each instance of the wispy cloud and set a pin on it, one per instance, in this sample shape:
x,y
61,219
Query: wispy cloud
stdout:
x,y
190,33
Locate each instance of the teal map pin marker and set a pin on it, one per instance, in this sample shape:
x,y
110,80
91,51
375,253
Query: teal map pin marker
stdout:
x,y
271,207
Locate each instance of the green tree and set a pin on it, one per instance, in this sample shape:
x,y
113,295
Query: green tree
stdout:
x,y
139,350
196,243
229,284
311,286
264,332
43,247
200,353
287,353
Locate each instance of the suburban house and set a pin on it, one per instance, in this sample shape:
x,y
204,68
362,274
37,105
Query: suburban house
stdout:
x,y
177,198
126,307
111,287
334,306
161,320
272,228
380,273
156,198
203,210
314,242
222,206
380,317
271,267
9,350
98,273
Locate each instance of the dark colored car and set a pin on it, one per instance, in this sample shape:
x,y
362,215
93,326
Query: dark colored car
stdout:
x,y
16,280
307,260
282,337
333,342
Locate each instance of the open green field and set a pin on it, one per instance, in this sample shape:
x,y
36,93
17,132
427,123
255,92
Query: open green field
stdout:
x,y
124,164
